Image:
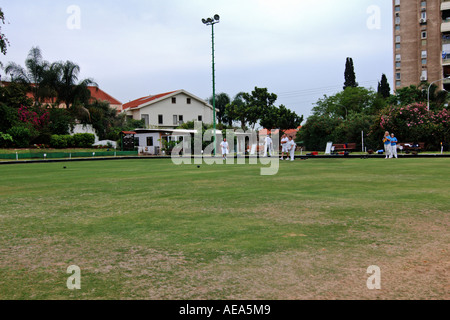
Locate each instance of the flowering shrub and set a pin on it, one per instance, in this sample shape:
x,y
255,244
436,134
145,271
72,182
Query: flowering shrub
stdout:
x,y
37,120
414,123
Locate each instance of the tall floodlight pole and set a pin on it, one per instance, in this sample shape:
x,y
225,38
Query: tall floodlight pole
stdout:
x,y
211,22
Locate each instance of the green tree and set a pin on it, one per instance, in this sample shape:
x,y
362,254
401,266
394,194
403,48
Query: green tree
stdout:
x,y
222,100
235,111
351,100
280,118
4,42
419,94
32,75
258,103
350,76
383,87
60,121
68,89
318,130
103,118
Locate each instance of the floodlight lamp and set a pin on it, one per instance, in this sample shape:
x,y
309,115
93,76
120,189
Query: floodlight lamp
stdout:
x,y
210,20
217,17
204,21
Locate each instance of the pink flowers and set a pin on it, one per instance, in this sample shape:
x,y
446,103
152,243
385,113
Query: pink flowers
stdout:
x,y
32,117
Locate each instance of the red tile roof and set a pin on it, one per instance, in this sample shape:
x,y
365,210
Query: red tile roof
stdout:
x,y
140,101
99,94
288,132
96,94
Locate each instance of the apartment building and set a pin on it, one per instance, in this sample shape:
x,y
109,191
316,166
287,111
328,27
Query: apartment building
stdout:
x,y
421,42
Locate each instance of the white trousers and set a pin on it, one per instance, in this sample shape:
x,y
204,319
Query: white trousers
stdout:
x,y
292,152
267,150
387,150
393,153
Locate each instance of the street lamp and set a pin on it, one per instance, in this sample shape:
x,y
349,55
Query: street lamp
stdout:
x,y
211,22
346,110
428,92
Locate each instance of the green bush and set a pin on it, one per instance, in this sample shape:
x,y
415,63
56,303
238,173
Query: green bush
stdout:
x,y
79,140
21,136
5,140
83,140
61,142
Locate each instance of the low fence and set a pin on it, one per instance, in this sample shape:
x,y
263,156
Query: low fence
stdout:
x,y
66,155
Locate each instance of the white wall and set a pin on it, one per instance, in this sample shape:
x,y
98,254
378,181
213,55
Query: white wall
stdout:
x,y
168,110
80,128
143,142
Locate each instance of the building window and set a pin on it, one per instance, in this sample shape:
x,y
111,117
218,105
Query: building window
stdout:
x,y
149,141
146,119
398,76
180,119
174,100
398,39
398,57
423,4
423,34
397,20
397,8
200,118
424,61
398,84
424,54
424,76
160,119
423,17
398,65
175,119
397,2
188,101
398,46
397,28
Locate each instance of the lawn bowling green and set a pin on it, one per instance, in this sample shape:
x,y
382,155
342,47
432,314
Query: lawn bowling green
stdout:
x,y
148,229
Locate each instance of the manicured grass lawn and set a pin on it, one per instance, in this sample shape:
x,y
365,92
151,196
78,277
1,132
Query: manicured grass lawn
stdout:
x,y
147,229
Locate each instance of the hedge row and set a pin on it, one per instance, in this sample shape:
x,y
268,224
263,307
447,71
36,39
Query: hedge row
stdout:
x,y
79,140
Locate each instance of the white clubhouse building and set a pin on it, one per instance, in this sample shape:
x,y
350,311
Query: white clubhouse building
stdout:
x,y
169,110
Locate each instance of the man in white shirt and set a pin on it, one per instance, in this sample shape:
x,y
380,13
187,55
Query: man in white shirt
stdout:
x,y
284,149
268,146
291,145
225,148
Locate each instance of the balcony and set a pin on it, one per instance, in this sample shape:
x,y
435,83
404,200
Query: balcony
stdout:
x,y
445,26
445,5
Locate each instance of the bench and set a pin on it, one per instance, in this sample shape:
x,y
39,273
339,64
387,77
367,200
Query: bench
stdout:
x,y
410,146
344,147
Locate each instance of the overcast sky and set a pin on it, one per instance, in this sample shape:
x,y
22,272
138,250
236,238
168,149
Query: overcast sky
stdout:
x,y
295,48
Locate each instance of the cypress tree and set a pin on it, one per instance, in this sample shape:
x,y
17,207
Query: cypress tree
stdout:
x,y
383,87
350,77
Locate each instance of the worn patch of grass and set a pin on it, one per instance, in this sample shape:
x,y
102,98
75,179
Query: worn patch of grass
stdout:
x,y
147,229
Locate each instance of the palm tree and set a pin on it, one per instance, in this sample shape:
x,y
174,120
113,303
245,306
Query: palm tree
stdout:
x,y
69,90
31,76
